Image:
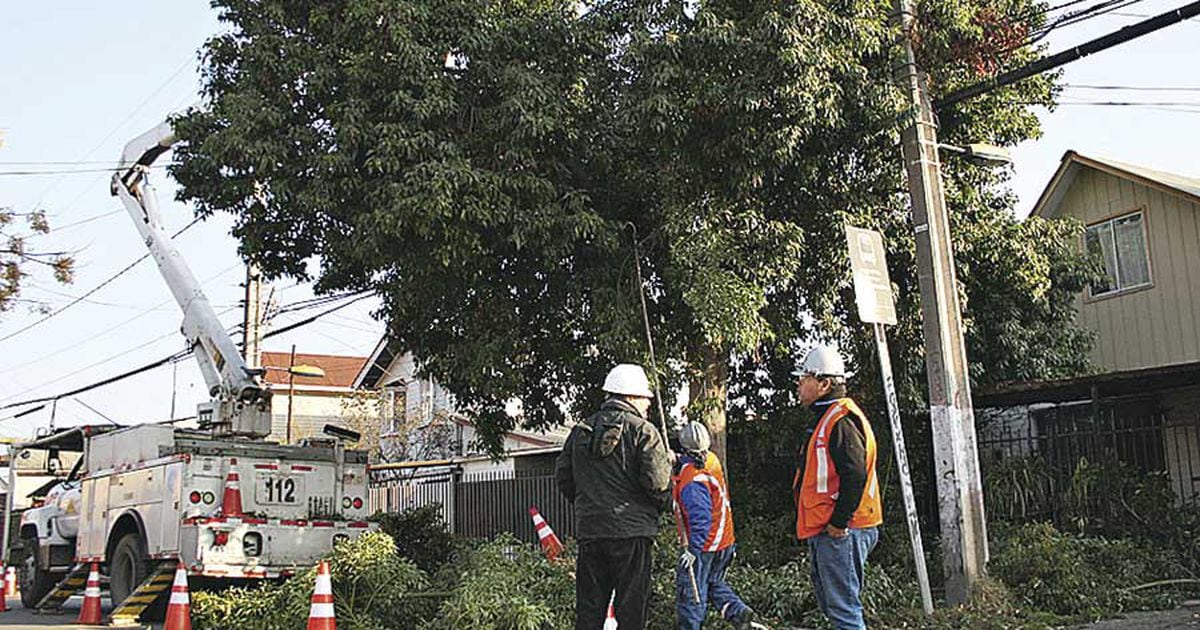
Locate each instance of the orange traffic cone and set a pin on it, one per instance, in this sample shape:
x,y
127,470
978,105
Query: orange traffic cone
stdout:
x,y
231,503
90,615
10,582
179,607
610,620
551,545
320,614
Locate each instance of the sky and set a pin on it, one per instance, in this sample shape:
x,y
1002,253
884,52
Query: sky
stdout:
x,y
82,79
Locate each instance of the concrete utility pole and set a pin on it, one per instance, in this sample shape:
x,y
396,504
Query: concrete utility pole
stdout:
x,y
960,492
252,317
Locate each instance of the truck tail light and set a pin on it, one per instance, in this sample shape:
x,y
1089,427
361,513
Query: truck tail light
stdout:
x,y
220,539
345,503
358,503
209,498
195,497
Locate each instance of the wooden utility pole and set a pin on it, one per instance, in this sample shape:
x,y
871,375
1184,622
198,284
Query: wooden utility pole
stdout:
x,y
960,492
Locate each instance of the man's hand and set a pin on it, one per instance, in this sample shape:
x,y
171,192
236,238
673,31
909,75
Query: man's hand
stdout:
x,y
835,532
687,560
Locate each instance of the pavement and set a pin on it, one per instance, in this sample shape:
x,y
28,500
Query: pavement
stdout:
x,y
20,618
1187,618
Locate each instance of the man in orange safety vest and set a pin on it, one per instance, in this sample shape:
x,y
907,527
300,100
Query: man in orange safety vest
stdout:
x,y
838,508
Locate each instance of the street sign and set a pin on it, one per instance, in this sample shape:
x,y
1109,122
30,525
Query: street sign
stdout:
x,y
873,293
872,287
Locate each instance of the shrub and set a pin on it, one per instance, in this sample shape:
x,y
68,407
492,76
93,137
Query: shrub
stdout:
x,y
373,589
1082,577
420,536
506,585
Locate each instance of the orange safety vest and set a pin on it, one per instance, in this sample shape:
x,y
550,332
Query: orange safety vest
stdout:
x,y
712,477
817,493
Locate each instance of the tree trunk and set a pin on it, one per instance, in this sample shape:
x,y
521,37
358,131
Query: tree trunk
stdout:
x,y
709,391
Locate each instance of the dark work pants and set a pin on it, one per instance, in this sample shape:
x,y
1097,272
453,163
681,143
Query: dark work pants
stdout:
x,y
608,564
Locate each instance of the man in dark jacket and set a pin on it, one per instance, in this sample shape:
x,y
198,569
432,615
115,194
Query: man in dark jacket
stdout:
x,y
615,468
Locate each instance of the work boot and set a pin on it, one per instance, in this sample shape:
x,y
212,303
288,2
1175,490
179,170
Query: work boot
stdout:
x,y
746,620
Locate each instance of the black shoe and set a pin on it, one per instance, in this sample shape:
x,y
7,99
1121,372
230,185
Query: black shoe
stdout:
x,y
745,620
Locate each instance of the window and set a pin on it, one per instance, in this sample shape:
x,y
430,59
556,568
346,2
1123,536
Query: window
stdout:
x,y
1121,243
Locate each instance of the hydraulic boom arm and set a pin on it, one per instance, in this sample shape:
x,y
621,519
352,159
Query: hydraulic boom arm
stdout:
x,y
240,402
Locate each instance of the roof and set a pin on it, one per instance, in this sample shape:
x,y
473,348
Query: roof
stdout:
x,y
1047,204
340,371
375,367
1109,384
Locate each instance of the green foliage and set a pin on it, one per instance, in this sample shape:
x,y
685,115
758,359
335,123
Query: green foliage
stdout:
x,y
421,536
1097,496
507,585
1083,577
485,166
373,589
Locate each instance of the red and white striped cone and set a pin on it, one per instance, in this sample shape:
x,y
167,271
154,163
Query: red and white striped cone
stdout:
x,y
3,604
610,619
90,614
320,613
10,582
179,607
551,545
231,502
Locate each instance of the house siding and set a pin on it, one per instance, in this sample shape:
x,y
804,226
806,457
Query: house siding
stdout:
x,y
1149,327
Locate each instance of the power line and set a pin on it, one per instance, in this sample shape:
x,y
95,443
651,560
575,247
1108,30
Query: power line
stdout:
x,y
94,289
1053,61
175,357
71,171
100,334
1131,88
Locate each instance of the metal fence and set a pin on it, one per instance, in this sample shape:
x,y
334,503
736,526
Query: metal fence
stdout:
x,y
477,505
1063,440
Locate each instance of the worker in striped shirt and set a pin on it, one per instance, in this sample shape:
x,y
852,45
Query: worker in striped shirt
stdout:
x,y
704,520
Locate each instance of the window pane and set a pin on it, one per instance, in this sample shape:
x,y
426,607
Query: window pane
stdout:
x,y
1133,263
1099,243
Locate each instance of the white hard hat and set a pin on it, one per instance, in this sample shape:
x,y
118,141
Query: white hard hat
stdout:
x,y
628,379
694,437
822,361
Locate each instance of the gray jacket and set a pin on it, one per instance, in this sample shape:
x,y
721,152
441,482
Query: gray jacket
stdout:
x,y
615,468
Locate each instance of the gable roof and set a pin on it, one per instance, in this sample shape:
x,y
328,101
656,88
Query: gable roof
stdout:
x,y
340,371
1047,204
375,367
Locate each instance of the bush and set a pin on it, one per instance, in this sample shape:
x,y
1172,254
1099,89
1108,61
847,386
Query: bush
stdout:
x,y
420,536
373,589
507,585
1082,577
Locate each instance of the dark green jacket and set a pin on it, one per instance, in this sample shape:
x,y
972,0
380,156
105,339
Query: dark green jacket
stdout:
x,y
614,467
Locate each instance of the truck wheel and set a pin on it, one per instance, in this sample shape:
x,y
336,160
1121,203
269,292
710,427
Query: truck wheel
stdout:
x,y
128,567
34,582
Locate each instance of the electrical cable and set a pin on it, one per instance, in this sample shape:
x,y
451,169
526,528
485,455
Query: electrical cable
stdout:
x,y
94,289
173,357
111,169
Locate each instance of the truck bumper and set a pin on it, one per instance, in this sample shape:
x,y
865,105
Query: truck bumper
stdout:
x,y
224,547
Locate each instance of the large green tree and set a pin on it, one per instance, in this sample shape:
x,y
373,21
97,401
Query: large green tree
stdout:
x,y
488,166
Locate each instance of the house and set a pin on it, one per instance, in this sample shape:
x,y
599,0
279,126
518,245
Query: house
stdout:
x,y
1142,403
301,406
422,422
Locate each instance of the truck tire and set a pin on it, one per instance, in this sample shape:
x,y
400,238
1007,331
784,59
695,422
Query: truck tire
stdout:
x,y
35,583
128,567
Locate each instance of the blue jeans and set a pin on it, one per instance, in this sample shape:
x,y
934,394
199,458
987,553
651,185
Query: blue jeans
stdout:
x,y
710,570
837,575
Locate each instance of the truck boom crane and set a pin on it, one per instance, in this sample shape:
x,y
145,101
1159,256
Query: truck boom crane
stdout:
x,y
241,402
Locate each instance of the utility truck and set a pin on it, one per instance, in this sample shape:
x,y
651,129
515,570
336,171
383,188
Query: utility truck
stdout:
x,y
222,500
